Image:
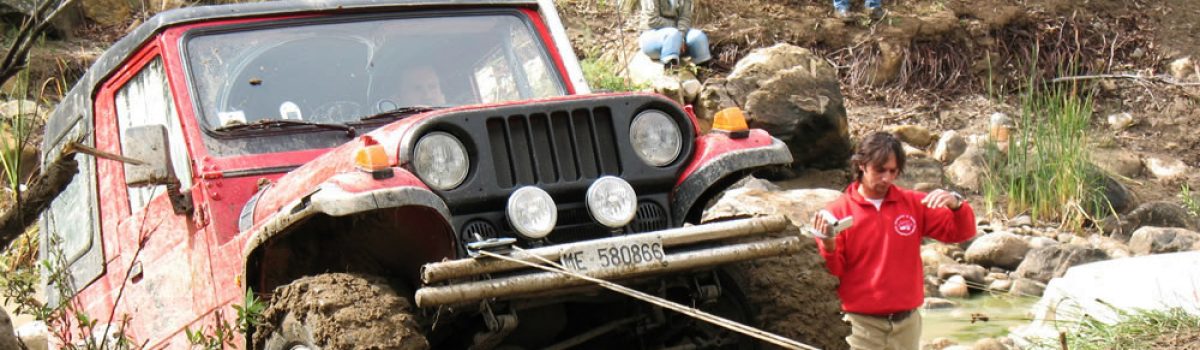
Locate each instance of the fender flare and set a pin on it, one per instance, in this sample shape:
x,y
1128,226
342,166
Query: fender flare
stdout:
x,y
329,199
706,175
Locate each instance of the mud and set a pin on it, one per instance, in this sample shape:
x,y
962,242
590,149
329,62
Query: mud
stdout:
x,y
796,297
343,311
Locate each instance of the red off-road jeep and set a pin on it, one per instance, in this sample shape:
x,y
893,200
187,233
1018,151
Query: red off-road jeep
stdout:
x,y
348,163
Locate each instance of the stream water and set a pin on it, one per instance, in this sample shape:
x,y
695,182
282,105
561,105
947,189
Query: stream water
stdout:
x,y
1002,311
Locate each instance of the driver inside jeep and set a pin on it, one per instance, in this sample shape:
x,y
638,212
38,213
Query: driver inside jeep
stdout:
x,y
419,86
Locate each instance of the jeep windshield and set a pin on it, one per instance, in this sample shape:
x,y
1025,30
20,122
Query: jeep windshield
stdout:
x,y
361,71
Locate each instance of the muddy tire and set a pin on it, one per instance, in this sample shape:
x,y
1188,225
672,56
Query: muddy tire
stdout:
x,y
794,296
339,311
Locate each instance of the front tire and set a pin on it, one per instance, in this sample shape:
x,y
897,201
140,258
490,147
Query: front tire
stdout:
x,y
339,311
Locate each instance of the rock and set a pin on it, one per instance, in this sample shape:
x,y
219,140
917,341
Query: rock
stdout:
x,y
644,70
999,125
957,347
955,287
797,205
1045,263
1120,121
1119,197
1157,240
691,89
793,94
1182,68
933,259
968,170
754,183
939,303
1114,248
999,249
1165,168
1000,285
1117,161
35,335
949,146
915,135
1158,214
926,186
26,108
109,13
1038,242
8,338
911,152
1027,287
988,344
953,251
921,170
971,273
1021,220
938,344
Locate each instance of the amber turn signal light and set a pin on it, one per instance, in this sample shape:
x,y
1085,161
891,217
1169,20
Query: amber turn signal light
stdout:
x,y
372,158
731,121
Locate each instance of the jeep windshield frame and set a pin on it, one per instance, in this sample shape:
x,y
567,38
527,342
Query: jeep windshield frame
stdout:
x,y
339,69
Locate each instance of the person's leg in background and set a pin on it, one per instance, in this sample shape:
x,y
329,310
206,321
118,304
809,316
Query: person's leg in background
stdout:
x,y
662,44
697,46
841,8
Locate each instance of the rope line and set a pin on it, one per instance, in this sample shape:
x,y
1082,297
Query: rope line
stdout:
x,y
660,302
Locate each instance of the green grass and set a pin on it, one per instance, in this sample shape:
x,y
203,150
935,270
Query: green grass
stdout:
x,y
1045,170
1142,329
1189,201
602,76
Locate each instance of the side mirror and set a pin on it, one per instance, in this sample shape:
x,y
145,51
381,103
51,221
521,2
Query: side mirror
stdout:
x,y
148,144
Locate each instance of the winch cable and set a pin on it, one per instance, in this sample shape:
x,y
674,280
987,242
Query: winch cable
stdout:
x,y
756,333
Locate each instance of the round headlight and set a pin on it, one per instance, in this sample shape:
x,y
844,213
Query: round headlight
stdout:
x,y
655,137
531,212
441,160
612,201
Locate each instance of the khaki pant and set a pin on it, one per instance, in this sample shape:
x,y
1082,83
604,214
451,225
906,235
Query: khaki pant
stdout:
x,y
874,333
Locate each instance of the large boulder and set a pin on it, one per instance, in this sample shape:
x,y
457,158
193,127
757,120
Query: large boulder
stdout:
x,y
915,135
8,338
1156,240
999,249
949,146
752,200
971,273
921,171
955,287
967,171
1166,168
793,94
1158,214
1117,161
1045,263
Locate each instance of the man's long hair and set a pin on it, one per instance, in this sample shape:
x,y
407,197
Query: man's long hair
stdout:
x,y
874,150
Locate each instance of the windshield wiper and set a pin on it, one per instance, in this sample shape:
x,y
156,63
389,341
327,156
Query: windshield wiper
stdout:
x,y
400,112
282,123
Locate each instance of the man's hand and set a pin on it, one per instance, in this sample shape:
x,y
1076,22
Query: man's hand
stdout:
x,y
943,199
819,224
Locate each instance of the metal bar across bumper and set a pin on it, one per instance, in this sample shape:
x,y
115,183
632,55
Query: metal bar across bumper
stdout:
x,y
456,293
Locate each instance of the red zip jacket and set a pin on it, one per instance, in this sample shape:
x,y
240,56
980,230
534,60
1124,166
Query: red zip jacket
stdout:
x,y
878,259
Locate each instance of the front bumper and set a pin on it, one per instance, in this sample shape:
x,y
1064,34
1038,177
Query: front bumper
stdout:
x,y
533,283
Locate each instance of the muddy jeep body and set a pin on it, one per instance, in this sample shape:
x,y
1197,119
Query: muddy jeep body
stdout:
x,y
230,203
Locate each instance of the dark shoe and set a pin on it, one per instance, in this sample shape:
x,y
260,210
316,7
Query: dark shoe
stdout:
x,y
671,63
877,13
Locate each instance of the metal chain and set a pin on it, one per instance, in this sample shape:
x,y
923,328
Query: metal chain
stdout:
x,y
552,266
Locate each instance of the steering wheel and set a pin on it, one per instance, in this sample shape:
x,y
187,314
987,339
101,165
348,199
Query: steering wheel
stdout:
x,y
340,111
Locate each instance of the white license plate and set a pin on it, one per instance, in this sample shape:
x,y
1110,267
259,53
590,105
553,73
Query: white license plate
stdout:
x,y
599,256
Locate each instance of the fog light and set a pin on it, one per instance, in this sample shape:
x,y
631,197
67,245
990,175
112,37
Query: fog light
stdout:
x,y
612,201
532,212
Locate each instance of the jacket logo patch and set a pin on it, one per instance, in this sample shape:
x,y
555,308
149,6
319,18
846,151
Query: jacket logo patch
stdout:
x,y
906,225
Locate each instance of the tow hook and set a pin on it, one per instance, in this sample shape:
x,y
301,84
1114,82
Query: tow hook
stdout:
x,y
498,327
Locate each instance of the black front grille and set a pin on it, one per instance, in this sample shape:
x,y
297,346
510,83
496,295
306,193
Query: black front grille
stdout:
x,y
560,146
650,217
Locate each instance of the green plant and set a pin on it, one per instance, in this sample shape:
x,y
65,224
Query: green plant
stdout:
x,y
602,75
1189,201
250,313
1173,328
1045,170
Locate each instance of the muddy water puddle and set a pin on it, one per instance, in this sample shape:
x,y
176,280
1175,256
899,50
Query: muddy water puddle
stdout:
x,y
981,316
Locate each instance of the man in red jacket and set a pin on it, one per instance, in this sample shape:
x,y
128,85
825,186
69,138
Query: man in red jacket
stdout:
x,y
878,259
